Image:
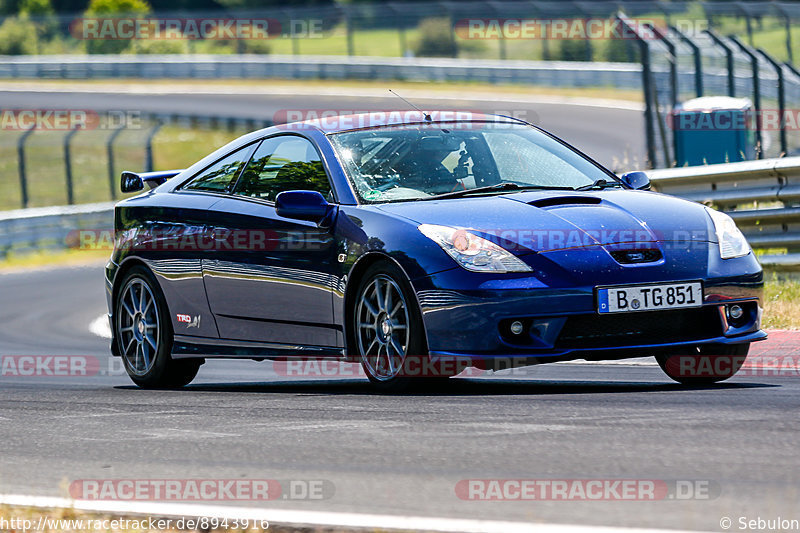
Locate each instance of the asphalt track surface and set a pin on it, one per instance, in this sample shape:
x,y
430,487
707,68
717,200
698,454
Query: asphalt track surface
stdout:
x,y
390,454
612,135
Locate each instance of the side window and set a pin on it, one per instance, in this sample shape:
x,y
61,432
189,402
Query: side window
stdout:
x,y
220,176
280,164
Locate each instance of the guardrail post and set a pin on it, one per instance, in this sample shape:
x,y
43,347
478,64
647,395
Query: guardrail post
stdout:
x,y
23,179
68,164
698,60
112,179
728,60
781,97
756,91
148,150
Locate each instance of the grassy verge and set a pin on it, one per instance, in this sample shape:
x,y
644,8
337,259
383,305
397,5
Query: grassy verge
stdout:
x,y
768,33
781,303
64,258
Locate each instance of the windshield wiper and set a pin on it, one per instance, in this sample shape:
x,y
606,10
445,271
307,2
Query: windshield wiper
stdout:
x,y
505,186
600,184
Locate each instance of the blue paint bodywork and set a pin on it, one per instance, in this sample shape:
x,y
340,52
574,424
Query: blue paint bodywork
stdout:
x,y
283,300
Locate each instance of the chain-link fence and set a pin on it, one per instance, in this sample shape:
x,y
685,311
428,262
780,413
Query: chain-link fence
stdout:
x,y
58,165
390,29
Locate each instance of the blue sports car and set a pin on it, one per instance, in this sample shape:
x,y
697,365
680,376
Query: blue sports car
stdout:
x,y
419,246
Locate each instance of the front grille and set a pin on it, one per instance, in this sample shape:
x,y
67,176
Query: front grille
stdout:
x,y
627,257
646,327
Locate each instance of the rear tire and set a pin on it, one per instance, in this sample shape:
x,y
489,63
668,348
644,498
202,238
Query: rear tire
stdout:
x,y
705,364
143,333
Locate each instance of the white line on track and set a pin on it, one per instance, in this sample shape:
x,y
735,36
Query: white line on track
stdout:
x,y
100,327
313,518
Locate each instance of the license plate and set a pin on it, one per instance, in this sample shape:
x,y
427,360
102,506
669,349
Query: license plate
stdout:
x,y
649,297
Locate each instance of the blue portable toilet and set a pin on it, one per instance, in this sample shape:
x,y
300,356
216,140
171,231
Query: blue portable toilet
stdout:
x,y
713,129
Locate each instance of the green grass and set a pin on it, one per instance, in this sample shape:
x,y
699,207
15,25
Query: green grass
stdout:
x,y
781,303
768,33
173,147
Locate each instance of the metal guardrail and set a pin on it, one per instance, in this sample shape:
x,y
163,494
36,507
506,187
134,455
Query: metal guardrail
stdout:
x,y
763,197
737,188
548,73
51,228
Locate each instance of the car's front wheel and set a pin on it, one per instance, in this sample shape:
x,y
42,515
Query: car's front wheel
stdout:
x,y
702,365
144,334
387,329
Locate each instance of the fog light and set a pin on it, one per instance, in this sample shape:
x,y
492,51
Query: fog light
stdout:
x,y
516,327
735,312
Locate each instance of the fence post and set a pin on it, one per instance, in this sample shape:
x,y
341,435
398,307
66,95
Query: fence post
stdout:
x,y
647,81
781,97
348,26
148,163
756,91
787,25
673,63
68,164
748,22
112,181
23,179
451,26
698,60
728,59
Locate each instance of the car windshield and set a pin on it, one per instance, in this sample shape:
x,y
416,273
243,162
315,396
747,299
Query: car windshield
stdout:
x,y
424,161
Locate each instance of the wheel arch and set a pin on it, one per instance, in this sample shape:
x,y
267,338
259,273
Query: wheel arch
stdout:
x,y
128,264
357,271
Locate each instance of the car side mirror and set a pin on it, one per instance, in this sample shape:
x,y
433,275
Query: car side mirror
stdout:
x,y
131,182
302,205
636,180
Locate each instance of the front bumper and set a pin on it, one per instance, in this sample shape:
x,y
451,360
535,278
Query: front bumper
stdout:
x,y
562,323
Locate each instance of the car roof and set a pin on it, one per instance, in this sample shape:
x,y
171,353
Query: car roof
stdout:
x,y
332,122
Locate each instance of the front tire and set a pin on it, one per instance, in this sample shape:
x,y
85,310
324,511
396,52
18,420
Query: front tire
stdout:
x,y
705,364
386,328
144,335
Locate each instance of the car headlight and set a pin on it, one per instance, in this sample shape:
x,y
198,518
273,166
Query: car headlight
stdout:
x,y
731,241
472,252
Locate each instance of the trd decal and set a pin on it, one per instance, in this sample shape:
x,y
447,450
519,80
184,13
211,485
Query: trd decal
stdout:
x,y
191,322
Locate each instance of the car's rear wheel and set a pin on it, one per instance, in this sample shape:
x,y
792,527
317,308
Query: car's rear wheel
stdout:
x,y
386,329
144,334
705,364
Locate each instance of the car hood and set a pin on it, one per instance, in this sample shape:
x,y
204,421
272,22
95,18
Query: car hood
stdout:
x,y
544,221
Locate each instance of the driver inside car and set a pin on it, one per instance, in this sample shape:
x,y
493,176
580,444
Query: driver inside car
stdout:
x,y
425,172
